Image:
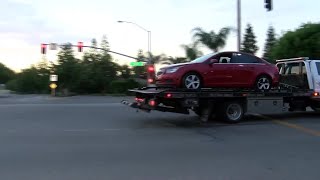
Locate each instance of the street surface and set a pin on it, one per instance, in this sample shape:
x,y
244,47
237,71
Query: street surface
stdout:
x,y
94,137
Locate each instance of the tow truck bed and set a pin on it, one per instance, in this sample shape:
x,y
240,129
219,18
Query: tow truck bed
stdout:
x,y
206,102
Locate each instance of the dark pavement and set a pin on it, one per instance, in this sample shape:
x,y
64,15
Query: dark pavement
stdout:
x,y
92,137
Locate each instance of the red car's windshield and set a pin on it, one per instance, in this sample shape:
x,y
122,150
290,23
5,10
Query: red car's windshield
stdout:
x,y
203,58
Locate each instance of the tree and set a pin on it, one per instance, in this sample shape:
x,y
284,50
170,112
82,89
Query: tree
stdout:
x,y
176,60
31,80
249,41
68,68
139,70
158,59
125,71
105,46
94,44
191,51
6,74
212,40
304,41
270,43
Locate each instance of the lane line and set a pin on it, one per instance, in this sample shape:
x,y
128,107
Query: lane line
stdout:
x,y
293,126
76,130
111,129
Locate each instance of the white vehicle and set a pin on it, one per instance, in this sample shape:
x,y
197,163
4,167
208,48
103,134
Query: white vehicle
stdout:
x,y
301,73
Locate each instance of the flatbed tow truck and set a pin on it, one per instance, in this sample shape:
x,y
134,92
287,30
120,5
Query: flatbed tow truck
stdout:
x,y
231,104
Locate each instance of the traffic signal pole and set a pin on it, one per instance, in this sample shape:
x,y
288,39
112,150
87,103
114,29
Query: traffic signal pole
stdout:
x,y
44,46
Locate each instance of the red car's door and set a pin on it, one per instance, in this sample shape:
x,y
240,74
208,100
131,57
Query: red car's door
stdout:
x,y
245,68
220,74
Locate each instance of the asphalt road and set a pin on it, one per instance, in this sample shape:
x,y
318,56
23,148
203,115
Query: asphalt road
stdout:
x,y
98,138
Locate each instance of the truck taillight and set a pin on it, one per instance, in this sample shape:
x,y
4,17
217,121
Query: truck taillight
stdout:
x,y
315,94
169,95
152,102
139,99
151,76
150,80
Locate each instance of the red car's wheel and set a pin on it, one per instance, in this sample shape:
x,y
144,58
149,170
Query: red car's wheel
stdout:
x,y
263,83
192,81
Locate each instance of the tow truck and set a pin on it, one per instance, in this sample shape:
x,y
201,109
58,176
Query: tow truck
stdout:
x,y
298,89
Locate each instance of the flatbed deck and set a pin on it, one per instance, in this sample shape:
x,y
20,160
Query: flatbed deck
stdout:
x,y
209,93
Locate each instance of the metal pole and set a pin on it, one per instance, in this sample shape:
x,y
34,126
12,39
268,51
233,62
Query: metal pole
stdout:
x,y
149,47
239,23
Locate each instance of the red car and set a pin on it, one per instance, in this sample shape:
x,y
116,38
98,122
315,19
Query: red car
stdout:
x,y
224,70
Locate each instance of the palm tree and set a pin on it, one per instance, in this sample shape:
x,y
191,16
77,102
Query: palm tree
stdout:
x,y
176,60
212,40
192,51
158,59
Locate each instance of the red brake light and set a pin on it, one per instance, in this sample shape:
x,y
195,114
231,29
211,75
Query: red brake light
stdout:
x,y
315,94
151,68
152,102
168,95
150,80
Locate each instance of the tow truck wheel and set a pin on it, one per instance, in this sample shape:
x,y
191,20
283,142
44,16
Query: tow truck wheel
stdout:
x,y
315,108
232,112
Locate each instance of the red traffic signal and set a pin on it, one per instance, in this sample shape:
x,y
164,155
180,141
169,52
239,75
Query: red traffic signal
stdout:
x,y
43,48
80,46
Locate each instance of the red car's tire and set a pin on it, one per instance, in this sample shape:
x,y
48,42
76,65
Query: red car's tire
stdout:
x,y
192,81
263,83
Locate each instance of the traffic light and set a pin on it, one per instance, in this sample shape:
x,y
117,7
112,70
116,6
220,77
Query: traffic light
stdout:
x,y
151,74
80,46
43,48
268,5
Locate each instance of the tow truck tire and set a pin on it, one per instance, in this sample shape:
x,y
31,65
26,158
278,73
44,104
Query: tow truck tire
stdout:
x,y
315,106
232,112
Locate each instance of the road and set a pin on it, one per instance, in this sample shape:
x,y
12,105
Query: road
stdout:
x,y
92,137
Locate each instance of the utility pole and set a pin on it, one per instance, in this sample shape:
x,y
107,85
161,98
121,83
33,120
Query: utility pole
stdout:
x,y
239,23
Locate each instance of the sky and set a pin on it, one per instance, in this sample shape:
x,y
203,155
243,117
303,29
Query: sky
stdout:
x,y
25,24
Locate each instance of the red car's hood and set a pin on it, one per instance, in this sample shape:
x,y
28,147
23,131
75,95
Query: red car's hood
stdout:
x,y
176,65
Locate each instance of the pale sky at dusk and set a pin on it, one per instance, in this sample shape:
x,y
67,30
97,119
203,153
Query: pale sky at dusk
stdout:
x,y
25,24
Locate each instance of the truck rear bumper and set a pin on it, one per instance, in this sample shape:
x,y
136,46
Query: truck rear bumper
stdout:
x,y
147,108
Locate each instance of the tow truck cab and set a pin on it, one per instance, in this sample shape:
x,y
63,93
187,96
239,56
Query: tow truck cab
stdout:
x,y
301,73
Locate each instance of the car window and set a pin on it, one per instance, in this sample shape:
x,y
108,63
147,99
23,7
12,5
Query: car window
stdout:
x,y
293,68
243,58
203,58
318,67
304,70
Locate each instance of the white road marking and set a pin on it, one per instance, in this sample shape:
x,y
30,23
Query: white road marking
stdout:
x,y
76,130
61,105
111,129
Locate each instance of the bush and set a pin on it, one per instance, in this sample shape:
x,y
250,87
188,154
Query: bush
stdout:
x,y
122,86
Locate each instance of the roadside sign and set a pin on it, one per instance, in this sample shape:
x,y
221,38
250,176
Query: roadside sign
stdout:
x,y
53,46
137,63
53,85
53,77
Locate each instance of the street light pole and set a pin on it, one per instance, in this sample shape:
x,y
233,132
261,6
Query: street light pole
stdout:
x,y
149,37
239,23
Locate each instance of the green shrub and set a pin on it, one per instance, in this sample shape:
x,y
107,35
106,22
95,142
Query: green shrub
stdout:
x,y
122,86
